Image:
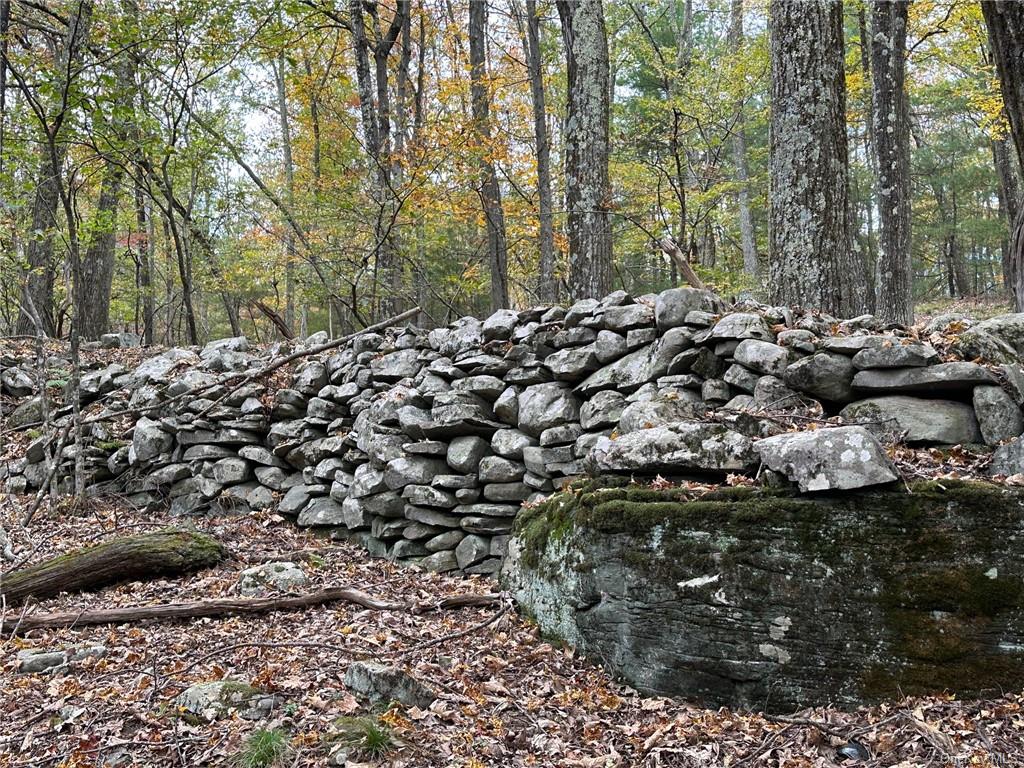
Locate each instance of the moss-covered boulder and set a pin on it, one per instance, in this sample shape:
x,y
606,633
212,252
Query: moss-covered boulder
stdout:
x,y
770,600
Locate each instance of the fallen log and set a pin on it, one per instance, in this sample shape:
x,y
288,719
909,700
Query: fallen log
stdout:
x,y
128,558
230,607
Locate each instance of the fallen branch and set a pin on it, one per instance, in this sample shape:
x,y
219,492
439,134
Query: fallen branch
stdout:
x,y
231,607
126,558
668,245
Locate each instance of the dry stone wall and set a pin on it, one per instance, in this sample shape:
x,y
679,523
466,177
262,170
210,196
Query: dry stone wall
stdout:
x,y
423,445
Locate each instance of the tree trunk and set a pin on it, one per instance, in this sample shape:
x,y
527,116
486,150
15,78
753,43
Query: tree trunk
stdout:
x,y
289,190
588,189
748,241
1009,201
873,204
92,294
38,287
1005,22
490,191
811,262
128,558
145,250
547,285
894,273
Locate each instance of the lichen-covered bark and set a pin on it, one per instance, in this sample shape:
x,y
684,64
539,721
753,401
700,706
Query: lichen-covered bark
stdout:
x,y
762,599
1005,22
894,273
588,189
811,262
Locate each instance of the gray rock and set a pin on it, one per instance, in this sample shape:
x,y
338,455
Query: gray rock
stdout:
x,y
609,346
471,550
431,517
681,405
742,325
444,541
490,526
396,365
715,391
495,469
515,491
488,387
999,417
546,405
1008,459
841,458
574,363
295,500
440,562
772,394
221,698
412,470
149,440
603,409
454,481
266,577
896,354
563,434
323,511
311,378
232,470
500,325
923,421
627,374
673,306
367,481
488,510
29,412
679,447
506,407
741,377
944,378
465,453
762,356
625,318
32,661
997,340
158,369
429,496
510,443
824,375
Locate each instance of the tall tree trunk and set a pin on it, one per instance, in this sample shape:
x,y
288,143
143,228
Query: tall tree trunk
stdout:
x,y
894,274
739,154
1009,202
92,294
547,286
811,262
490,191
588,188
873,202
289,190
1005,22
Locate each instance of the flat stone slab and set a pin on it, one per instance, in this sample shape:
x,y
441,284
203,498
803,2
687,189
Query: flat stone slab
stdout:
x,y
678,447
944,378
923,421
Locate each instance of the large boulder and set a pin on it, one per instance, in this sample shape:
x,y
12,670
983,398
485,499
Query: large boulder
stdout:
x,y
997,340
687,446
917,420
836,459
149,440
718,596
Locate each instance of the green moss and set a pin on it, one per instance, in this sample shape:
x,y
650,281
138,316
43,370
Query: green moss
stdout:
x,y
110,445
969,676
964,590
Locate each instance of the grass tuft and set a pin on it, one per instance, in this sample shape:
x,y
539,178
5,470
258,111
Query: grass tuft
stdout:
x,y
263,748
365,736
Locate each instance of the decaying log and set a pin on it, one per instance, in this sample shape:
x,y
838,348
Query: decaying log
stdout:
x,y
128,558
232,606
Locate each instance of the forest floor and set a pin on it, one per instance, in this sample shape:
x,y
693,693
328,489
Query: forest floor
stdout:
x,y
505,696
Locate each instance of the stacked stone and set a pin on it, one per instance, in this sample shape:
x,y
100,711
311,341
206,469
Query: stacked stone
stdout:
x,y
423,445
